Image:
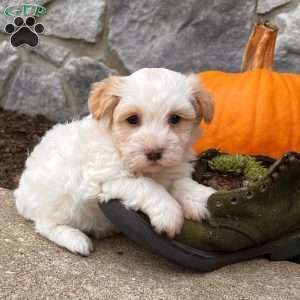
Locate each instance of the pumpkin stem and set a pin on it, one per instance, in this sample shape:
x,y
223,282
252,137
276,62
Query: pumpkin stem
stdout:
x,y
259,50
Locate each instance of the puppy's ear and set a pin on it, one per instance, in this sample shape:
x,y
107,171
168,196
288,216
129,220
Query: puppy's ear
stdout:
x,y
104,97
202,99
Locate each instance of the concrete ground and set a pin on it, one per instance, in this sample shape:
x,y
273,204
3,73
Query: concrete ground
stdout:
x,y
34,268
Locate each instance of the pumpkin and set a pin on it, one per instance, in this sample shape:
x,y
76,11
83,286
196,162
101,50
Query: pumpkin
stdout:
x,y
257,111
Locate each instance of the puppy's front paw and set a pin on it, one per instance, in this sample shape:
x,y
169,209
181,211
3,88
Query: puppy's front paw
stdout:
x,y
194,202
195,209
169,219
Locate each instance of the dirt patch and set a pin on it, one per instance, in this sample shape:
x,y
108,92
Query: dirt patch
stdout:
x,y
18,135
204,174
220,181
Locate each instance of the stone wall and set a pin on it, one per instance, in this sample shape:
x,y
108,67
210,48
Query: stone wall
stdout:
x,y
86,40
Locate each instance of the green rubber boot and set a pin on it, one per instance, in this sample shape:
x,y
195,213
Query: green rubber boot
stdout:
x,y
262,219
248,217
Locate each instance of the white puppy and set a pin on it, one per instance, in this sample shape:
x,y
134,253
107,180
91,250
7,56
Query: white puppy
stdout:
x,y
135,146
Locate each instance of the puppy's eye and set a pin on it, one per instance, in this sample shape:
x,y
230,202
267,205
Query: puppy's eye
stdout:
x,y
174,119
133,120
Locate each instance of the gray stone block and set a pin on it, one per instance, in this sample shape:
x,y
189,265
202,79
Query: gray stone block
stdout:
x,y
287,54
9,61
265,6
79,74
185,36
75,19
36,91
53,53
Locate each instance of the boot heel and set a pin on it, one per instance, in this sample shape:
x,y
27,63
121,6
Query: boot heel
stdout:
x,y
287,248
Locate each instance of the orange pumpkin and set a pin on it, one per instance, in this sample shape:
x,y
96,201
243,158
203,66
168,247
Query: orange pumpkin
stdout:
x,y
256,111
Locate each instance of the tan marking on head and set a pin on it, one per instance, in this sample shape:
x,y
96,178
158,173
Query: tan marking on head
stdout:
x,y
104,97
202,100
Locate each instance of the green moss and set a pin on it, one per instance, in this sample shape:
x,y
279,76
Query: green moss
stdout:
x,y
239,165
254,170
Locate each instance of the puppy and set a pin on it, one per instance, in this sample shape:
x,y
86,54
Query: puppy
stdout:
x,y
135,146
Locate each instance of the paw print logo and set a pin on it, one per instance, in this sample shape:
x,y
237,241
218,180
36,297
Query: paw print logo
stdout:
x,y
24,33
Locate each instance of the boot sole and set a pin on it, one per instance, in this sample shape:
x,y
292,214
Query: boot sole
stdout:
x,y
138,229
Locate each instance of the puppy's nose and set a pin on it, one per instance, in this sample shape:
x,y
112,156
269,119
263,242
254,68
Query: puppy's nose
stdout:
x,y
154,155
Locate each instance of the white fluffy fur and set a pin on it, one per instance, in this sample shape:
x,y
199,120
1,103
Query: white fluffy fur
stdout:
x,y
102,157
